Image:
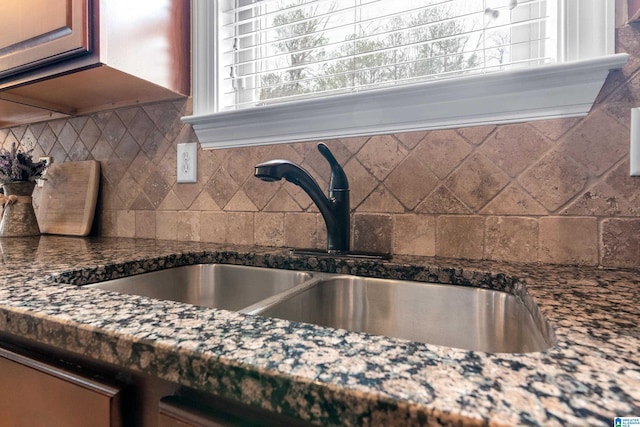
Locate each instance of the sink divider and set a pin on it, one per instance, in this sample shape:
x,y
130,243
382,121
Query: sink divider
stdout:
x,y
272,301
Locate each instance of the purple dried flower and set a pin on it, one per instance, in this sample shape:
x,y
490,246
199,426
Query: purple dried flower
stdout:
x,y
19,165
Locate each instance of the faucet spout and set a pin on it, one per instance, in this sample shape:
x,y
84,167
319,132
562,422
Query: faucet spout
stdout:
x,y
334,208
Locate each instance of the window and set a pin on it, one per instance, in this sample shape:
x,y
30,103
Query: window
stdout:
x,y
272,71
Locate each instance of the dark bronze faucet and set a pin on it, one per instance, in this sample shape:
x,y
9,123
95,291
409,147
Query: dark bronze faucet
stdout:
x,y
334,209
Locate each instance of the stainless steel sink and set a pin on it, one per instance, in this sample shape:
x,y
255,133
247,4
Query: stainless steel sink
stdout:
x,y
448,315
230,287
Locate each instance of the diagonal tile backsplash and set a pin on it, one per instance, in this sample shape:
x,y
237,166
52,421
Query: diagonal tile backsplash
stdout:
x,y
555,191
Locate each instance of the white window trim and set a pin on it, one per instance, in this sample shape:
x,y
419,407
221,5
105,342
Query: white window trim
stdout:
x,y
566,89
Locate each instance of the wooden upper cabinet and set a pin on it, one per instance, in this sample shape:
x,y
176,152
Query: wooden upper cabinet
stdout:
x,y
72,57
38,32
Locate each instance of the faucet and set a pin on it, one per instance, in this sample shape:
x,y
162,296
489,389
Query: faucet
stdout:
x,y
334,209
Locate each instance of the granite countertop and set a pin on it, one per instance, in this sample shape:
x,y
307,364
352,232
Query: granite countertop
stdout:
x,y
328,376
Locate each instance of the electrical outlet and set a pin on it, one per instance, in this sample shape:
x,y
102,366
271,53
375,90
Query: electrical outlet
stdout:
x,y
634,151
187,162
48,161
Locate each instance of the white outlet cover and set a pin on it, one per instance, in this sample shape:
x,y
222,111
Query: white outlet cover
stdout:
x,y
187,163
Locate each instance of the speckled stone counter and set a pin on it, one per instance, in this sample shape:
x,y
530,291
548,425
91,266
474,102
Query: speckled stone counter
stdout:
x,y
328,376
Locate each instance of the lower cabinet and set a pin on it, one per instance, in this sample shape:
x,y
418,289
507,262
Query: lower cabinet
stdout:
x,y
174,413
197,410
34,393
43,386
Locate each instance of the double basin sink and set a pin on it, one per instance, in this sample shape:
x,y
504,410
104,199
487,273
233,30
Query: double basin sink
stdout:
x,y
448,315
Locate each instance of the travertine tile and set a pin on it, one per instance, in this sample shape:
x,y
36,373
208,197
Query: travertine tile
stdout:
x,y
46,140
569,240
38,128
460,236
171,202
411,181
156,188
102,151
624,184
600,200
620,243
112,131
513,200
141,126
209,162
282,202
167,225
127,114
597,143
477,181
372,233
107,223
109,199
442,201
67,137
554,180
355,144
113,170
188,192
240,202
77,153
204,202
165,116
167,166
513,148
414,235
260,192
240,228
269,229
511,239
128,190
300,230
145,224
442,151
142,203
361,182
139,168
240,164
381,155
126,224
381,200
221,187
554,129
155,145
213,227
410,139
188,226
476,134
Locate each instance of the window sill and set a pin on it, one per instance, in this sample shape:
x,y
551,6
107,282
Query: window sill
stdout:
x,y
546,92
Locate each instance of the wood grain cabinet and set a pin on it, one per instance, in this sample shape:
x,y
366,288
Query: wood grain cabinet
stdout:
x,y
37,32
67,57
34,393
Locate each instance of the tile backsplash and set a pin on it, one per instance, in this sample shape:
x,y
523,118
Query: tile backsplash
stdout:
x,y
555,191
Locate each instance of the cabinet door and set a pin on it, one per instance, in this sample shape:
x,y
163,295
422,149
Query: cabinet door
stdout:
x,y
33,393
38,32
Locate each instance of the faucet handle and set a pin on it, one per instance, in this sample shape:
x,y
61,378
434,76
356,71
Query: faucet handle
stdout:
x,y
338,177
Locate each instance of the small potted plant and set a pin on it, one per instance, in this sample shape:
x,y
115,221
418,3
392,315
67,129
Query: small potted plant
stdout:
x,y
18,174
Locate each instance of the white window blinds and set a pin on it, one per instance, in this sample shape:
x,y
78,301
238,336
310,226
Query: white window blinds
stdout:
x,y
275,51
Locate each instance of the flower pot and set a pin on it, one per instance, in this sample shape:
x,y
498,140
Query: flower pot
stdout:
x,y
18,218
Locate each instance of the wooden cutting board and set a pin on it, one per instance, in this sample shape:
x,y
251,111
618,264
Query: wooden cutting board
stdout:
x,y
68,200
